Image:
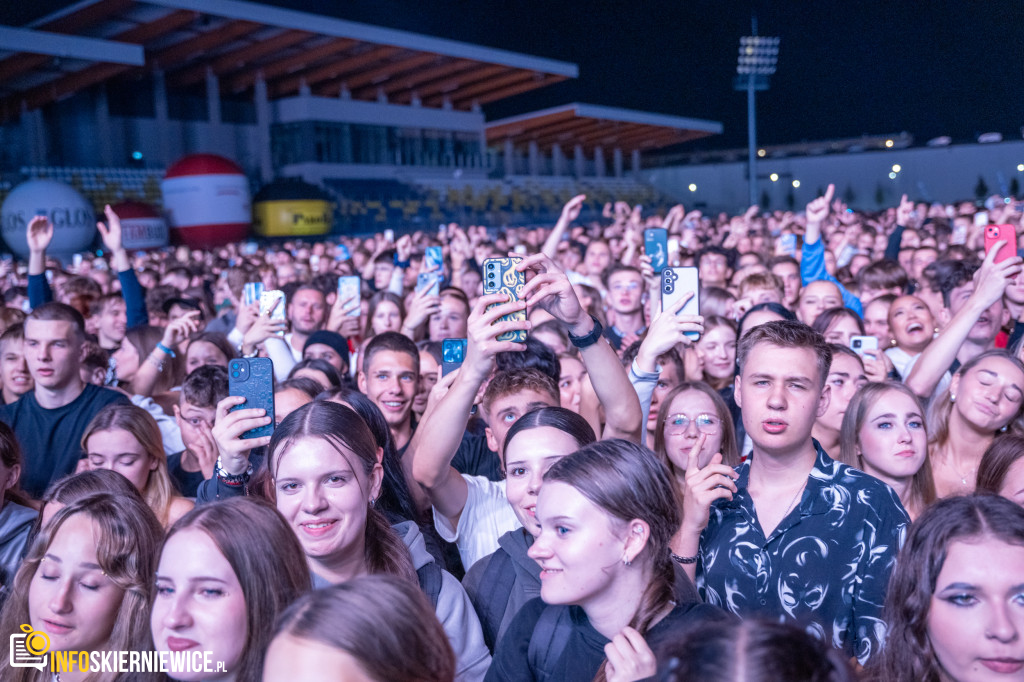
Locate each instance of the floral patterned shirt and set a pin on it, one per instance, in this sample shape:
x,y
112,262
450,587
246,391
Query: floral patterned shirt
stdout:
x,y
826,566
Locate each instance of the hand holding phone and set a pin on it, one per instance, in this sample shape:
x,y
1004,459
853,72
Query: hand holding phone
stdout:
x,y
500,275
676,283
1001,233
253,379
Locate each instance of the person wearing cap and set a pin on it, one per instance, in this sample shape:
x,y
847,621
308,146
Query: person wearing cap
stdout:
x,y
328,346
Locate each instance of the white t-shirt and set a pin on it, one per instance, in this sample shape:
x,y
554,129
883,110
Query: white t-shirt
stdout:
x,y
485,518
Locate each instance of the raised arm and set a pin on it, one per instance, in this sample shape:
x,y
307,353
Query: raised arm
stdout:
x,y
39,235
570,212
550,290
437,439
989,285
134,297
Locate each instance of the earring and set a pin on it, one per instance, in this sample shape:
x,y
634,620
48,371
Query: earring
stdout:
x,y
952,397
373,502
1003,430
626,562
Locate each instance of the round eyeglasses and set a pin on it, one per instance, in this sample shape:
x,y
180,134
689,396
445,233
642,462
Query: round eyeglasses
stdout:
x,y
679,423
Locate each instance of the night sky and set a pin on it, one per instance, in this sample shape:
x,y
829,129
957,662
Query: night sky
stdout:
x,y
928,67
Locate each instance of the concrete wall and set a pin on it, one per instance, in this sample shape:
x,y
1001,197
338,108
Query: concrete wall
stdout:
x,y
944,174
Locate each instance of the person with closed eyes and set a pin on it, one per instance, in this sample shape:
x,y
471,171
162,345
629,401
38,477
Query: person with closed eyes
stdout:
x,y
983,399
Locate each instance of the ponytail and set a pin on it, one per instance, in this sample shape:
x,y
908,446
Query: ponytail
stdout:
x,y
384,550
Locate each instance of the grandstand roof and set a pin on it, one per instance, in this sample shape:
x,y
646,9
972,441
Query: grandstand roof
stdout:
x,y
592,125
96,40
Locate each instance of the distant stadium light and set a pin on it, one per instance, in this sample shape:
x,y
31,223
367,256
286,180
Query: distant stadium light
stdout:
x,y
757,59
888,144
1020,167
693,187
896,168
987,138
137,155
796,183
941,141
774,177
892,176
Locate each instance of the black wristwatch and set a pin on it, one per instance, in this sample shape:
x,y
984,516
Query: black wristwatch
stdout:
x,y
591,338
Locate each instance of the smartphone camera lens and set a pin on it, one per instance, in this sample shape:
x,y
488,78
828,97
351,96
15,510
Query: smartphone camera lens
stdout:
x,y
856,343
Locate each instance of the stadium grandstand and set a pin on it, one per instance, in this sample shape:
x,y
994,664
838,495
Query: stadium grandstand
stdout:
x,y
106,94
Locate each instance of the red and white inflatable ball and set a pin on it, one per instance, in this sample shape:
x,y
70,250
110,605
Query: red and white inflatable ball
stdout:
x,y
73,218
207,201
142,227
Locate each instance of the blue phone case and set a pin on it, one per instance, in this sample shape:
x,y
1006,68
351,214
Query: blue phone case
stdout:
x,y
253,379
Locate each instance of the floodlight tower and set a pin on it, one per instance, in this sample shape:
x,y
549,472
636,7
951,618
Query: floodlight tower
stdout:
x,y
757,60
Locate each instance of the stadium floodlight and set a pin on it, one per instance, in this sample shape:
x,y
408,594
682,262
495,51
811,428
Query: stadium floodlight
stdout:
x,y
757,60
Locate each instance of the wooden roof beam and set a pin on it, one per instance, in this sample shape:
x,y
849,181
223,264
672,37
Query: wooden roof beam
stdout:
x,y
285,65
172,56
332,71
241,58
476,82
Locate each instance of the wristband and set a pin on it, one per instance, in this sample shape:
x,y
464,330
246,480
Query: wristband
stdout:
x,y
232,479
404,264
589,339
683,559
165,349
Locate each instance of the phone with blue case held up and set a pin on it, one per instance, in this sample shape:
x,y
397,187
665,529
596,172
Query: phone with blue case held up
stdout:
x,y
656,246
453,353
500,275
348,288
429,282
253,379
677,283
434,257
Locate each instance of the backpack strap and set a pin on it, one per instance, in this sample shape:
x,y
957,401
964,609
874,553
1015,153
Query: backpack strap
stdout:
x,y
548,641
494,593
429,576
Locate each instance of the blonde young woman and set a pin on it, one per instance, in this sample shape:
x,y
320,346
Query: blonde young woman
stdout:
x,y
884,434
126,439
983,399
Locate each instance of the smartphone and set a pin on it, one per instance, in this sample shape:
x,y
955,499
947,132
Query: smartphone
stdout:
x,y
959,234
995,233
434,257
656,246
520,249
253,379
859,344
251,293
676,283
76,261
389,235
272,305
500,275
429,282
348,287
788,245
453,352
342,253
314,262
981,219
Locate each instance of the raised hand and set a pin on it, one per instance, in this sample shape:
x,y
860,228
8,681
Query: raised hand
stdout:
x,y
715,481
39,234
262,329
181,329
629,657
572,208
668,330
228,429
991,279
421,307
817,210
111,231
483,329
550,290
903,211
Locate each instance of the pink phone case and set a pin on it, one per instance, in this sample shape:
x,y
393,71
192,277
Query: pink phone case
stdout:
x,y
995,233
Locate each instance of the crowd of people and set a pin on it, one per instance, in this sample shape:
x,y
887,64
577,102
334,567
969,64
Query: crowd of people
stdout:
x,y
816,475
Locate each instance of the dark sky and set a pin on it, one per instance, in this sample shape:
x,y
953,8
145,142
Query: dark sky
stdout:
x,y
928,67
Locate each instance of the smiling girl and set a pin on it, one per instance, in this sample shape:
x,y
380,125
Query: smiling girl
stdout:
x,y
607,514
